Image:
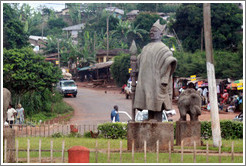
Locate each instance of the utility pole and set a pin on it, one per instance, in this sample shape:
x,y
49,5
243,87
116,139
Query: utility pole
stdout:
x,y
215,121
58,54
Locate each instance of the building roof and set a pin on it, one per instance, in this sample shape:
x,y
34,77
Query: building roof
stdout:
x,y
37,37
112,52
133,13
74,27
96,66
115,9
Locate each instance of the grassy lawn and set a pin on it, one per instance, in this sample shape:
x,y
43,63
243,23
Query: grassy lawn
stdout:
x,y
126,156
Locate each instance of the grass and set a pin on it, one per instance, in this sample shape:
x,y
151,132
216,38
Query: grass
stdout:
x,y
126,156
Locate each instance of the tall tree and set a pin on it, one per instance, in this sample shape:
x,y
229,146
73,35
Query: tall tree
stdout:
x,y
226,20
14,35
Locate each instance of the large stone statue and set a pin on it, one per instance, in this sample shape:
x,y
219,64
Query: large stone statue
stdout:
x,y
189,103
156,65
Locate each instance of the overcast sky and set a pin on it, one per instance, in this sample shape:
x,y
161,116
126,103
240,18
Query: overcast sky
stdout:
x,y
57,6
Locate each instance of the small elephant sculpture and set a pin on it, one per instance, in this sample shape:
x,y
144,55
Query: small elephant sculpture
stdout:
x,y
189,103
6,101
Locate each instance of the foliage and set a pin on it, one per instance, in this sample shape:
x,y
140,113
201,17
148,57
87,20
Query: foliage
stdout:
x,y
57,135
24,71
14,35
127,31
74,135
229,129
145,21
113,130
227,64
226,21
119,69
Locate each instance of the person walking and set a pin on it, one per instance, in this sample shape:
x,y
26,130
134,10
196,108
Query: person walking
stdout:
x,y
11,112
115,114
20,115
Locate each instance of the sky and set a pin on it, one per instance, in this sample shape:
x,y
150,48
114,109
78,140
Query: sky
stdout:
x,y
56,6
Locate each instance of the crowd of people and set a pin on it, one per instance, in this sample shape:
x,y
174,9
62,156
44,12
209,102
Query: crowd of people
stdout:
x,y
15,116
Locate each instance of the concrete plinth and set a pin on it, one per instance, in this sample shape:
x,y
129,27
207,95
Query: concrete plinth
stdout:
x,y
150,132
188,131
9,135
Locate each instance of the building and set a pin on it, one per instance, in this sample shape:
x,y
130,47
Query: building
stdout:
x,y
101,55
132,15
37,42
117,12
74,30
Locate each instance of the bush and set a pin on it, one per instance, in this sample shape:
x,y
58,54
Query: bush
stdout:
x,y
229,129
87,134
76,135
113,130
57,135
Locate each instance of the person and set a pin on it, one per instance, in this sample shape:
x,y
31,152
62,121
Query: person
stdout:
x,y
11,112
205,95
181,89
225,97
123,88
155,66
20,115
115,114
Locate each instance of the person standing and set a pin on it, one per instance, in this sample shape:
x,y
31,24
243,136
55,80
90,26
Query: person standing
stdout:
x,y
115,114
11,112
20,115
205,95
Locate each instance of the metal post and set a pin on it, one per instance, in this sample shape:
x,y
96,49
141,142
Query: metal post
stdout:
x,y
211,76
133,51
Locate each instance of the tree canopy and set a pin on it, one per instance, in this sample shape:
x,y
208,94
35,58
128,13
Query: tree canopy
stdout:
x,y
226,20
24,71
14,35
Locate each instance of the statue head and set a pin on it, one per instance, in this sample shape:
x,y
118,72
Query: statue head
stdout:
x,y
156,31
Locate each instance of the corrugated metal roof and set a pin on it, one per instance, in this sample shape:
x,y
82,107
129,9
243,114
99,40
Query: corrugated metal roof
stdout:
x,y
102,65
74,27
37,37
133,13
116,10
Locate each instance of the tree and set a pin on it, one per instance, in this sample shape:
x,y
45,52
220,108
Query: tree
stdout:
x,y
226,21
14,35
119,69
24,71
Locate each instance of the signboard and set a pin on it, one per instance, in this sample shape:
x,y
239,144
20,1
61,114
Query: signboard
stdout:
x,y
130,69
240,86
193,78
57,62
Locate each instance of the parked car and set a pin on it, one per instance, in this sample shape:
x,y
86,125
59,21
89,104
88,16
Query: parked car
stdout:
x,y
143,115
67,87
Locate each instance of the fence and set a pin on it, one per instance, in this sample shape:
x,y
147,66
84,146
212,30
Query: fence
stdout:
x,y
109,151
48,129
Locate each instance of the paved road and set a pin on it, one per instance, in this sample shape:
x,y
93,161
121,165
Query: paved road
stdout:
x,y
94,106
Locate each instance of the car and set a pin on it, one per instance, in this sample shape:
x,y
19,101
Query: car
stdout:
x,y
67,88
143,115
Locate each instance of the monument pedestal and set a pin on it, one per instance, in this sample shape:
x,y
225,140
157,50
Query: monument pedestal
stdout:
x,y
188,131
150,132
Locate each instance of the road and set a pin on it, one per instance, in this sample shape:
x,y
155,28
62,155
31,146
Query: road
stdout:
x,y
93,106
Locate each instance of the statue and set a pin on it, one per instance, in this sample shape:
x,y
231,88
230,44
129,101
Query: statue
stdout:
x,y
189,103
155,65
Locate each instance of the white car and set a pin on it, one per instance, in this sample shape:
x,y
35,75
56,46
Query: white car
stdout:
x,y
143,115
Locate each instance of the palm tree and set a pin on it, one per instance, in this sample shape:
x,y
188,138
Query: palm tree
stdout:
x,y
127,31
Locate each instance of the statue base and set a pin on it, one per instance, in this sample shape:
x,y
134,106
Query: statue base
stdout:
x,y
150,132
9,135
188,131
